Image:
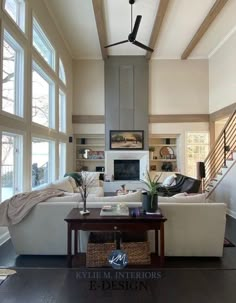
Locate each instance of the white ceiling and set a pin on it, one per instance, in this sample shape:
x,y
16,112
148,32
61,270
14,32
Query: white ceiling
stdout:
x,y
76,21
118,24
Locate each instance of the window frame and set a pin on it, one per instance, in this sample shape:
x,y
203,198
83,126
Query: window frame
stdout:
x,y
62,112
51,160
21,14
51,96
18,183
61,72
19,76
62,161
43,36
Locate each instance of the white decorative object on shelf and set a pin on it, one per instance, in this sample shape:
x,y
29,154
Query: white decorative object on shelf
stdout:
x,y
94,145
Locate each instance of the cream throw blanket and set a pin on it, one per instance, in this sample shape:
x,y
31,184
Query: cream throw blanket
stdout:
x,y
13,210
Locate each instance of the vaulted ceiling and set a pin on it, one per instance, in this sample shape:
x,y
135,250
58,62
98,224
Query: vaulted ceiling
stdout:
x,y
190,28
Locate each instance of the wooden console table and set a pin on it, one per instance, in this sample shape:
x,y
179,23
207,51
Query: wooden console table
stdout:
x,y
94,222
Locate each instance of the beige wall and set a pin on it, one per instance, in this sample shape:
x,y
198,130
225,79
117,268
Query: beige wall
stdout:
x,y
88,81
222,76
178,87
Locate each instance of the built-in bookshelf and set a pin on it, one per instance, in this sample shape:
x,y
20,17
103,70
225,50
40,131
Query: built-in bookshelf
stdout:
x,y
89,152
163,153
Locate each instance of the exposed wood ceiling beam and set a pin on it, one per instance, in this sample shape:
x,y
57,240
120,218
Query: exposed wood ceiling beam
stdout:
x,y
213,13
99,17
162,8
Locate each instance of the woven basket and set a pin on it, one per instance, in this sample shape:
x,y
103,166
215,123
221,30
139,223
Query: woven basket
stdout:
x,y
137,252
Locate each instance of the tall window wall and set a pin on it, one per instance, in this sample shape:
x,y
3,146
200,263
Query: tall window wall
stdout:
x,y
33,102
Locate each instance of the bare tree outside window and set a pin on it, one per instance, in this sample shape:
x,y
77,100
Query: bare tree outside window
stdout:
x,y
8,78
40,100
12,76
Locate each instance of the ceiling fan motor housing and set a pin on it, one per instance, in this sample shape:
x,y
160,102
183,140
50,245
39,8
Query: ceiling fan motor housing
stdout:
x,y
131,38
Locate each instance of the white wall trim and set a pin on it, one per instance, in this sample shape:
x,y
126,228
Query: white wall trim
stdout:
x,y
222,42
4,237
179,58
76,57
231,213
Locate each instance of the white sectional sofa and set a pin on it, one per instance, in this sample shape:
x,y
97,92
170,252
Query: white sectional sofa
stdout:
x,y
193,228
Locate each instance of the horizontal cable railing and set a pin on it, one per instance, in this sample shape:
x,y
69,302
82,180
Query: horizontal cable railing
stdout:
x,y
222,151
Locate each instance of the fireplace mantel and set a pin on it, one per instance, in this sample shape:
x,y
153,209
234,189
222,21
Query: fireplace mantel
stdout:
x,y
142,156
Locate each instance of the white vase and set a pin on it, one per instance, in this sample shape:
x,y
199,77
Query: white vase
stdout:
x,y
151,155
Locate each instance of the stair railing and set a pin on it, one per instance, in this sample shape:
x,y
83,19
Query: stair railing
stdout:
x,y
221,151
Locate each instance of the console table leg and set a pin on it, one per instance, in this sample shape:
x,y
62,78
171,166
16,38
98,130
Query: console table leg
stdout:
x,y
162,245
69,250
156,242
75,242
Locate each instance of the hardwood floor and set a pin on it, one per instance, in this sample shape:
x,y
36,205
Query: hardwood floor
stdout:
x,y
63,285
46,279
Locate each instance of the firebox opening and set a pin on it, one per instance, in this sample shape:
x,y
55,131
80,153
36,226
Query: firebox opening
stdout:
x,y
126,170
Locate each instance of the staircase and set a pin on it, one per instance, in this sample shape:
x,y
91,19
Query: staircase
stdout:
x,y
222,157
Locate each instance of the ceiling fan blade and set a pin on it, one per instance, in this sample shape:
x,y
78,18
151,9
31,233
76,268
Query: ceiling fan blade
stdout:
x,y
136,26
121,42
143,46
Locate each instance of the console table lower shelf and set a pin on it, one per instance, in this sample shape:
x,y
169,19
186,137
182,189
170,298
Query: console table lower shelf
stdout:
x,y
94,222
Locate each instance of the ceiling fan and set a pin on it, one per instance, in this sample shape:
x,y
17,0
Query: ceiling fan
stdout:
x,y
134,31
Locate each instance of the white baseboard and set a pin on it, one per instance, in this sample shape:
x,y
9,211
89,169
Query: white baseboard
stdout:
x,y
4,237
231,213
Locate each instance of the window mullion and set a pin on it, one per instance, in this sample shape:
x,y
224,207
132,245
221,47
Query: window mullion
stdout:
x,y
1,168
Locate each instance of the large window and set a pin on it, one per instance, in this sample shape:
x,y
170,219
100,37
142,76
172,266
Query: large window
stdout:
x,y
16,10
62,159
43,98
197,150
43,161
11,164
12,76
42,44
62,112
62,74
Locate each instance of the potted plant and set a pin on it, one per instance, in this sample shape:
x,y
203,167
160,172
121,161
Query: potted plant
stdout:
x,y
150,194
151,150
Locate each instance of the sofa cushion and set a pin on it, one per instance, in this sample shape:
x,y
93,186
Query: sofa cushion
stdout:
x,y
68,197
95,191
183,198
91,177
76,177
132,197
63,184
169,181
76,196
73,183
